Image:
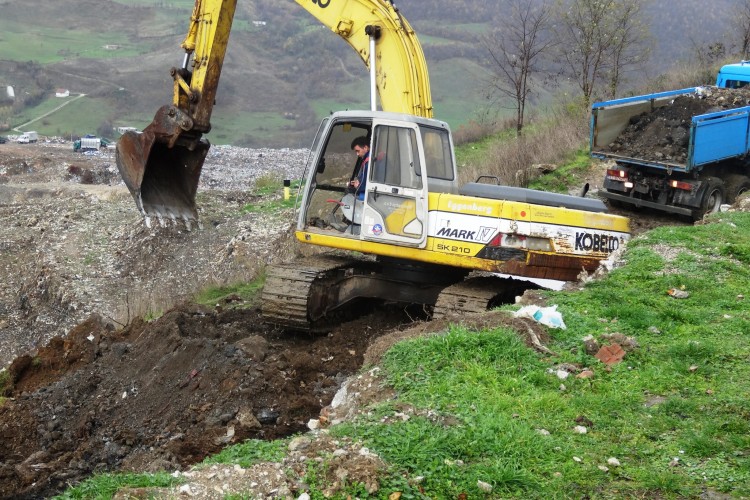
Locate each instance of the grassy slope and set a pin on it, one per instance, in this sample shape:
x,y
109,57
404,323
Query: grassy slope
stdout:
x,y
679,396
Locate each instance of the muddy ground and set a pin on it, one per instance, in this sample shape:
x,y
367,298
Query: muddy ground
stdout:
x,y
166,394
161,394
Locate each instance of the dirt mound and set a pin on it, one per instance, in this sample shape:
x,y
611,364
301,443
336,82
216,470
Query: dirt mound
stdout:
x,y
165,394
663,134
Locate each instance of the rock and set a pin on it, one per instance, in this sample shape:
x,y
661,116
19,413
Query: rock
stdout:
x,y
299,443
267,416
677,293
483,486
246,419
627,343
255,347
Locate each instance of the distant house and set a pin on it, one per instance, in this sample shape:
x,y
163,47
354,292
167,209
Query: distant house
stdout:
x,y
10,92
62,93
259,23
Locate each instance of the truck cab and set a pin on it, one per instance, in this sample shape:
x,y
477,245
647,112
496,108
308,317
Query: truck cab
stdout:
x,y
734,76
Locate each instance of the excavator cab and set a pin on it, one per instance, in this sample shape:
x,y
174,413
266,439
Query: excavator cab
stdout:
x,y
393,207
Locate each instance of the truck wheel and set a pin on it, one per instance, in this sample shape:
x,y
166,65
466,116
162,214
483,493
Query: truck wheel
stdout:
x,y
736,185
713,198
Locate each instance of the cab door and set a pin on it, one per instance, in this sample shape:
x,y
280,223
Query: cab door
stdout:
x,y
395,204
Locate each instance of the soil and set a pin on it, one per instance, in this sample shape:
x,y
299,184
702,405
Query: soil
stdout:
x,y
91,387
663,134
166,394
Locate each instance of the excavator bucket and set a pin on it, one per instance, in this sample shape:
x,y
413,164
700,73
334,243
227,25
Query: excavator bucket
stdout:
x,y
161,167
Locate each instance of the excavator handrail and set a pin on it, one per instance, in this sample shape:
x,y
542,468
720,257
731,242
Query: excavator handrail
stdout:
x,y
401,71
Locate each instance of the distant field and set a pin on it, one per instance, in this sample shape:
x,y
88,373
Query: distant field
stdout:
x,y
181,4
49,45
79,117
230,126
456,91
456,99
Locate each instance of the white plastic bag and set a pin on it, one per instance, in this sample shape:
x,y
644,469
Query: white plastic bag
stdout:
x,y
545,315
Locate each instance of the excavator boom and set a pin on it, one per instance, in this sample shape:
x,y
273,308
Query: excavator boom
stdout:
x,y
401,71
161,165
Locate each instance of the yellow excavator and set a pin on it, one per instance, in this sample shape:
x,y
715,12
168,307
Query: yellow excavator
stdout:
x,y
411,234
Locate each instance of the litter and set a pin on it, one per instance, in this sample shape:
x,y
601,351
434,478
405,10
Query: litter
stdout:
x,y
548,316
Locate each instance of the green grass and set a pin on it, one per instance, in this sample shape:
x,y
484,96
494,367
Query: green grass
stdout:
x,y
104,486
570,173
79,116
247,292
47,45
473,152
273,197
153,315
249,453
5,383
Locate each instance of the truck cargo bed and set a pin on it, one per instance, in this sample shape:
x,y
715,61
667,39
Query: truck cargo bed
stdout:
x,y
668,131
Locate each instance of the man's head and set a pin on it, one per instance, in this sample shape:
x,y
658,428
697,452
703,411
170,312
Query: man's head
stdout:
x,y
361,146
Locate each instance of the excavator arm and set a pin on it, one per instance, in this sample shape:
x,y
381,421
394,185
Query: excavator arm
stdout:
x,y
400,67
161,166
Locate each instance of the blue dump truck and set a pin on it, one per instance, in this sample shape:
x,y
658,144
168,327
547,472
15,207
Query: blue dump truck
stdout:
x,y
682,151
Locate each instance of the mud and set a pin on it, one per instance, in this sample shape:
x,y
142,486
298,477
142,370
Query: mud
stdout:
x,y
164,395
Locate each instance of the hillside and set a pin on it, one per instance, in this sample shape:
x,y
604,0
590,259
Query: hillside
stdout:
x,y
281,75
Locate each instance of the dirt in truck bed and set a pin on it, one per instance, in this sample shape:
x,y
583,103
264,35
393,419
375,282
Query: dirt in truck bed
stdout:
x,y
160,394
663,134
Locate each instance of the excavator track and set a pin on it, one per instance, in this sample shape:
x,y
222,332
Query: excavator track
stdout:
x,y
477,294
289,286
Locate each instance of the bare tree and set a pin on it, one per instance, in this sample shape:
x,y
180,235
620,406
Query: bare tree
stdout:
x,y
630,47
741,22
515,49
599,39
